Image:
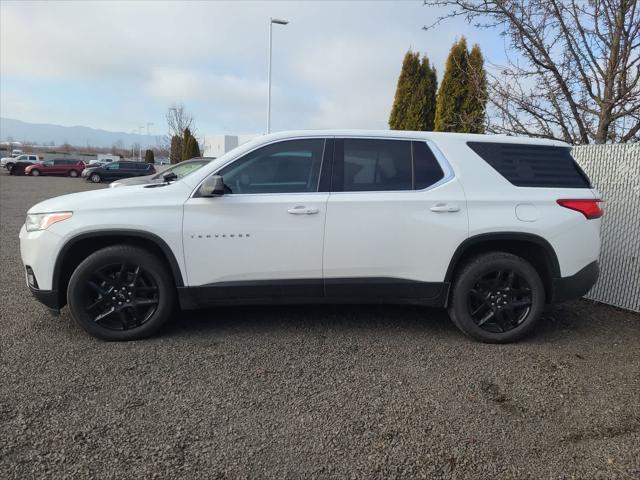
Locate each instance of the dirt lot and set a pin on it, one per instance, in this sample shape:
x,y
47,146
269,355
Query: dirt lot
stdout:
x,y
309,392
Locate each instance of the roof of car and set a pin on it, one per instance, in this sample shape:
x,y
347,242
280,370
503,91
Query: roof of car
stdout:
x,y
435,136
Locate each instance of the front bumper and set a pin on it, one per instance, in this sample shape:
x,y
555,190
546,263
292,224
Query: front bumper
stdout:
x,y
575,286
49,298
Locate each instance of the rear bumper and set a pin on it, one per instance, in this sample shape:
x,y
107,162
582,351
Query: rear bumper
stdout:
x,y
575,286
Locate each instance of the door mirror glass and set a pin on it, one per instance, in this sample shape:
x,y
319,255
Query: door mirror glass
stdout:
x,y
212,187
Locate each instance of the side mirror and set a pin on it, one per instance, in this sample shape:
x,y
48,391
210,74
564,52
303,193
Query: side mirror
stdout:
x,y
169,177
212,187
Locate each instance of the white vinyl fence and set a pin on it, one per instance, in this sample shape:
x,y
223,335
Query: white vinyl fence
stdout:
x,y
615,171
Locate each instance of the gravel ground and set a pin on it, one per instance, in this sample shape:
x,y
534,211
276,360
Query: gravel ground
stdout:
x,y
310,392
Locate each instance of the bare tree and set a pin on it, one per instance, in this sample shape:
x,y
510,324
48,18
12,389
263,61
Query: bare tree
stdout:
x,y
578,75
178,119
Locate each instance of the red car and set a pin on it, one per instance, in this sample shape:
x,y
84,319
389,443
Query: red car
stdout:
x,y
59,166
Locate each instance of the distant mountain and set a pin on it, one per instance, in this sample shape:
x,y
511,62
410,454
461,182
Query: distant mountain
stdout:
x,y
44,133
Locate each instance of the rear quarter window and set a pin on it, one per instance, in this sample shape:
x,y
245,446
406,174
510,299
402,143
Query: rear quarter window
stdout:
x,y
532,165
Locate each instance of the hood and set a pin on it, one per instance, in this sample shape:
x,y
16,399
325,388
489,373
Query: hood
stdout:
x,y
138,180
112,198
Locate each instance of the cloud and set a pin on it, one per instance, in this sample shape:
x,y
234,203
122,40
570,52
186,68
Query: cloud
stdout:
x,y
334,65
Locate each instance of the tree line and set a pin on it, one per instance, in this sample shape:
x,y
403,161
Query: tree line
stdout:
x,y
457,105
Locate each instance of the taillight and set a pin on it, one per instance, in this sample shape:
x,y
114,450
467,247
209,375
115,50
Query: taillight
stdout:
x,y
589,208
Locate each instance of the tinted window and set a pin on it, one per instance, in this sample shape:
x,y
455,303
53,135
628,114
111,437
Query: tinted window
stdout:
x,y
283,167
532,165
372,165
112,166
427,170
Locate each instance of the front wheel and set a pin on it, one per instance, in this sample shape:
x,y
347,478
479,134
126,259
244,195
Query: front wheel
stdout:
x,y
34,173
95,178
497,298
73,173
9,166
121,293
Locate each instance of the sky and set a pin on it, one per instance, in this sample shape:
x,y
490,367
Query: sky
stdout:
x,y
118,65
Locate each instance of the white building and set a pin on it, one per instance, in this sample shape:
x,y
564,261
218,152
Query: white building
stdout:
x,y
217,145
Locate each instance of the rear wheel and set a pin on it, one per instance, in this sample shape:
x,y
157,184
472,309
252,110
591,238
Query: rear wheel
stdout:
x,y
34,173
73,173
9,166
121,293
497,298
95,178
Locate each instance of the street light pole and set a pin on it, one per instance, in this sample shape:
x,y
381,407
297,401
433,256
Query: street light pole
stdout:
x,y
271,22
140,149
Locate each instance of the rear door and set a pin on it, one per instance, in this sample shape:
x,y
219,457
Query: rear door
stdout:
x,y
394,218
111,171
127,169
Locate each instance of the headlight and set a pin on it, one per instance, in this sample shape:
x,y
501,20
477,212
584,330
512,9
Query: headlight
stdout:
x,y
42,221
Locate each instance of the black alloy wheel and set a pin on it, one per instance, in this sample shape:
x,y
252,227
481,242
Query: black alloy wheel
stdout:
x,y
500,301
121,292
121,296
497,297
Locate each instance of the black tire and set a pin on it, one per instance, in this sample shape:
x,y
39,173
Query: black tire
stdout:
x,y
34,173
130,283
95,178
497,297
73,173
9,166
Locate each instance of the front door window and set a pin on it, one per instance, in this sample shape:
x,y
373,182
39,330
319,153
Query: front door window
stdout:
x,y
285,167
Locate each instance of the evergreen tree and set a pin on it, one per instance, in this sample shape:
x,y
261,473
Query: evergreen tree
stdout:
x,y
407,84
476,102
175,154
415,99
149,156
427,96
454,90
190,147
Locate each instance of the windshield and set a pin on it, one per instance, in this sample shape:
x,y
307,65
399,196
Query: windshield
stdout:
x,y
182,169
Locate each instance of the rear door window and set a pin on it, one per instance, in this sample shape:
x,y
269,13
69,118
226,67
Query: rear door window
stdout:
x,y
368,165
427,170
373,165
532,165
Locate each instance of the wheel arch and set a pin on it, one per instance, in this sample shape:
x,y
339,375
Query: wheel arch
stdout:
x,y
533,248
76,249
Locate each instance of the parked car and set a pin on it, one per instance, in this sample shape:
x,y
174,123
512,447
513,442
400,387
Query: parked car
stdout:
x,y
117,170
58,166
18,168
490,227
179,170
9,162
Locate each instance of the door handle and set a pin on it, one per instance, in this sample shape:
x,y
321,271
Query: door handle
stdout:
x,y
445,208
302,210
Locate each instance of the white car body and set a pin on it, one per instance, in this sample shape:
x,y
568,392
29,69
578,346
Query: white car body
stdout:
x,y
19,158
344,243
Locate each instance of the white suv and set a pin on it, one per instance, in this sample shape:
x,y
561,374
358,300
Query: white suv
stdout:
x,y
491,227
9,162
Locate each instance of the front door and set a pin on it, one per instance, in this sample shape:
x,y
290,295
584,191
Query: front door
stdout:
x,y
395,216
264,237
